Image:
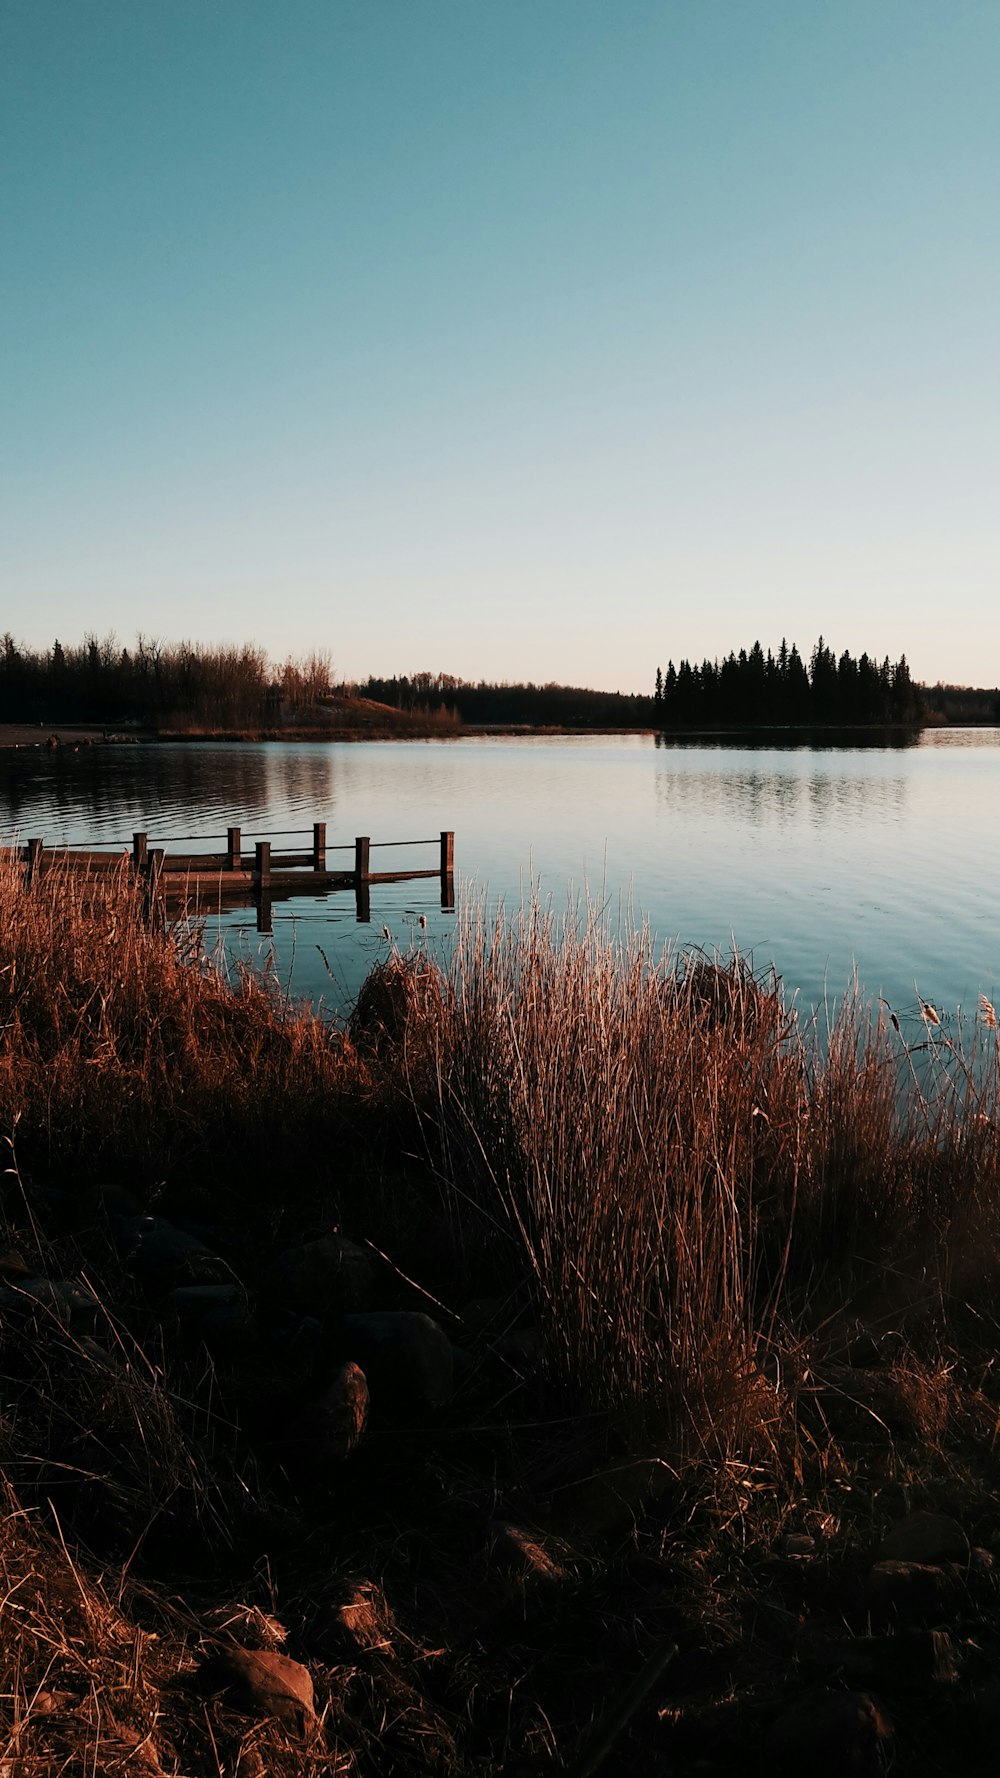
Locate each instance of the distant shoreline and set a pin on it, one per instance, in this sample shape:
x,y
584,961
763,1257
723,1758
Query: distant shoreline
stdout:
x,y
36,737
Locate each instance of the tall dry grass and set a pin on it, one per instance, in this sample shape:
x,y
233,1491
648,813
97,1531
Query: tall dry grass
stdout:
x,y
654,1149
677,1166
126,1052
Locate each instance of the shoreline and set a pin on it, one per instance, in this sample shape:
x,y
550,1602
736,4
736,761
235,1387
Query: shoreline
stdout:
x,y
436,1382
25,737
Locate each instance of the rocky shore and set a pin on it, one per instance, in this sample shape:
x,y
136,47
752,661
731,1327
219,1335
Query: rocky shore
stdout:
x,y
334,1525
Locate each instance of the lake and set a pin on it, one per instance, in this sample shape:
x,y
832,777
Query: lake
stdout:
x,y
816,858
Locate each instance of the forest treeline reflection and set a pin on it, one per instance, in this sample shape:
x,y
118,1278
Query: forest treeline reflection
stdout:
x,y
755,798
185,789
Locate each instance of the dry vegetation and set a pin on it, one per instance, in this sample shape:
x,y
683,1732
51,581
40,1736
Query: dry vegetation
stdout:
x,y
717,1277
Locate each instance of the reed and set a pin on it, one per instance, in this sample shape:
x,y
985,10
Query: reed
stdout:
x,y
692,1196
129,1052
676,1165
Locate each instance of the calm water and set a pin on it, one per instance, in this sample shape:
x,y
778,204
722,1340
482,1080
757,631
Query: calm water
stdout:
x,y
814,858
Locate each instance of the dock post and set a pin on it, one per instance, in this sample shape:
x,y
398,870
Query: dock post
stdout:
x,y
140,851
262,865
152,887
448,873
233,854
34,857
362,901
264,920
319,845
362,845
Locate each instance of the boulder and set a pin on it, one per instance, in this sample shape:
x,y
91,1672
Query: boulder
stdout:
x,y
164,1257
831,1735
798,1544
263,1682
322,1279
216,1314
66,1300
924,1537
523,1558
907,1661
192,1302
914,1593
322,1433
405,1355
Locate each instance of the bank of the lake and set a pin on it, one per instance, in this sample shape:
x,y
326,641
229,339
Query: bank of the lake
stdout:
x,y
569,1363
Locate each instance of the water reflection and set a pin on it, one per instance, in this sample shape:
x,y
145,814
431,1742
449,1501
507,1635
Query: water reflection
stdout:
x,y
103,793
826,740
303,780
759,797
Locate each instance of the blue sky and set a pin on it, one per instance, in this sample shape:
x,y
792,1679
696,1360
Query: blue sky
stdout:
x,y
544,339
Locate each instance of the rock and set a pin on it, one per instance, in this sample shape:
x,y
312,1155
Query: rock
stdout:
x,y
266,1683
192,1302
124,1749
324,1278
924,1537
216,1314
522,1556
165,1257
325,1431
613,1499
832,1735
870,1403
911,1659
360,1622
405,1355
66,1300
914,1592
798,1544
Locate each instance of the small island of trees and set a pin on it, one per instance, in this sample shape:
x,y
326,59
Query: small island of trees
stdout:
x,y
753,689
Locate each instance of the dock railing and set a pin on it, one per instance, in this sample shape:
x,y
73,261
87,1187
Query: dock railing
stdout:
x,y
189,878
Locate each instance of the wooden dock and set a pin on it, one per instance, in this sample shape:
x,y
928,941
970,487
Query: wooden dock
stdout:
x,y
199,882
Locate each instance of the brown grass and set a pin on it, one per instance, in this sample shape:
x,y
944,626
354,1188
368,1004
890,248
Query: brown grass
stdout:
x,y
694,1206
679,1166
125,1052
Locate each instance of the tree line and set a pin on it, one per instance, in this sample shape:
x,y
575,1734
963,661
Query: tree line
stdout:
x,y
489,701
161,685
154,684
754,688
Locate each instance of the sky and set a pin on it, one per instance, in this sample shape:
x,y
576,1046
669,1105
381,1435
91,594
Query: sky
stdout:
x,y
524,339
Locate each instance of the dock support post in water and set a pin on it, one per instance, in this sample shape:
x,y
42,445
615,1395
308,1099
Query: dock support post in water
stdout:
x,y
234,857
448,872
362,849
262,865
34,859
264,921
319,845
140,852
362,901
